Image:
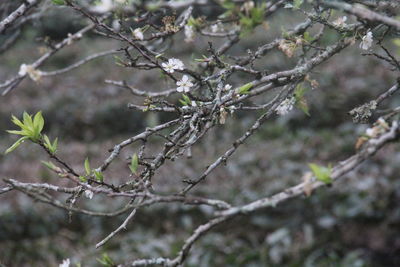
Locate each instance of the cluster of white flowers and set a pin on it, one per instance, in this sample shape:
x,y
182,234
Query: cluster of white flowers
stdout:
x,y
65,263
380,127
88,194
138,34
184,85
172,65
285,106
366,41
216,27
222,115
189,34
31,71
340,22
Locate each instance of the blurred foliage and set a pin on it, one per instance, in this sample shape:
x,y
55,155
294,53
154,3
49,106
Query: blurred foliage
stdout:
x,y
356,222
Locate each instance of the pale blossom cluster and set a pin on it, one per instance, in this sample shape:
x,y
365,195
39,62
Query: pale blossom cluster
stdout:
x,y
88,194
184,85
103,6
222,115
287,47
340,22
172,65
216,27
189,33
34,74
227,87
285,106
138,34
380,127
366,41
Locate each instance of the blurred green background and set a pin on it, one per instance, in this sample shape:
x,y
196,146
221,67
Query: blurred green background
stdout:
x,y
355,222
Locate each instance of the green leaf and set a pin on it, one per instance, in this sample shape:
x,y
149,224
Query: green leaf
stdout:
x,y
16,144
87,166
185,101
257,14
396,42
106,260
303,106
46,140
297,4
228,4
301,101
195,23
186,98
245,88
99,176
49,165
28,122
58,2
83,179
52,147
307,37
16,132
55,145
322,173
17,122
38,123
134,163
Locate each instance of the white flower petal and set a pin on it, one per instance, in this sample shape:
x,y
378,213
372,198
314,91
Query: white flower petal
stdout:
x,y
227,87
65,263
88,194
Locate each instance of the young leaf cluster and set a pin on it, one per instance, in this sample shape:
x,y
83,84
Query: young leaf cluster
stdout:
x,y
323,174
97,174
252,20
185,101
134,163
30,129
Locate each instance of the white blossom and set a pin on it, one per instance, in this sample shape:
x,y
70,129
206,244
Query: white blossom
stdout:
x,y
34,74
285,106
194,104
104,6
189,34
232,109
366,41
184,85
138,34
371,132
116,25
172,65
382,122
65,263
222,115
216,27
88,194
340,22
227,87
23,69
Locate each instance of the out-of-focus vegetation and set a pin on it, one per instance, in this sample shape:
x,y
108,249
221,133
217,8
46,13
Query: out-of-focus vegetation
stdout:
x,y
354,222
